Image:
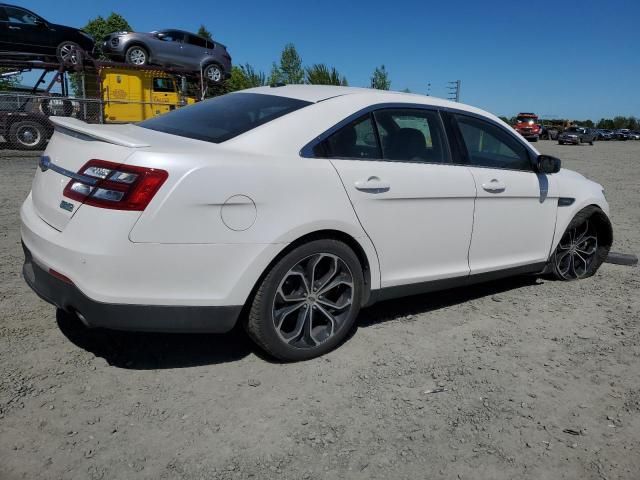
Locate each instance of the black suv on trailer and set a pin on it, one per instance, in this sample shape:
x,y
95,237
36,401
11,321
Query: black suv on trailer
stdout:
x,y
25,34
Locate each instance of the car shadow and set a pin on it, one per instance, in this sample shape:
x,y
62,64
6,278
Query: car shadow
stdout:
x,y
151,351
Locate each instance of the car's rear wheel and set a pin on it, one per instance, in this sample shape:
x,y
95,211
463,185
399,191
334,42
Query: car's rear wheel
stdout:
x,y
582,248
213,73
308,301
27,135
136,55
69,53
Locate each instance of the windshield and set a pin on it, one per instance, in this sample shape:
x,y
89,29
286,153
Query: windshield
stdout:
x,y
526,120
222,118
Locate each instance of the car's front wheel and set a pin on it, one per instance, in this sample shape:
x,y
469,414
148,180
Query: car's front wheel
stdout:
x,y
582,248
136,55
307,303
69,53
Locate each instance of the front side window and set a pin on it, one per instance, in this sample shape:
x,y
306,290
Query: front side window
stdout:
x,y
489,146
222,118
18,15
163,84
171,36
411,135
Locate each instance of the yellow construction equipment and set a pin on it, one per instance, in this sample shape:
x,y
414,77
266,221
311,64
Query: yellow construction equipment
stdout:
x,y
134,95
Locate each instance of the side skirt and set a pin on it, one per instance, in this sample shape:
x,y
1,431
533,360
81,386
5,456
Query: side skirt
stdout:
x,y
398,291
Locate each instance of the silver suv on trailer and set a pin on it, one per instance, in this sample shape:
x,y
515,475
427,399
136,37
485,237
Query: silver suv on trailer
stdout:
x,y
170,48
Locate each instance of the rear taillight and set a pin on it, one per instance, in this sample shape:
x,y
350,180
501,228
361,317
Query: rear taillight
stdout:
x,y
112,185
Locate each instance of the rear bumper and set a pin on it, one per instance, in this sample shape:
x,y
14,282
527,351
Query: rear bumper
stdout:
x,y
152,318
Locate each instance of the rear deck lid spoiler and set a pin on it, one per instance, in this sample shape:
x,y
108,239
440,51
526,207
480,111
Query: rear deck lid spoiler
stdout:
x,y
105,133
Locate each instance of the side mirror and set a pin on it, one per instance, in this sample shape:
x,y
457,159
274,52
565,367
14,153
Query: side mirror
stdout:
x,y
548,164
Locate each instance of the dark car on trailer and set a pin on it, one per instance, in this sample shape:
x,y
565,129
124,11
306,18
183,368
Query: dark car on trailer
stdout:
x,y
24,122
27,35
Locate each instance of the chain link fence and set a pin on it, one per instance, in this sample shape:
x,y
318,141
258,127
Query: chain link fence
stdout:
x,y
25,124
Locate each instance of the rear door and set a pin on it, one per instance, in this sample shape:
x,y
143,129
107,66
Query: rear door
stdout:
x,y
515,210
416,206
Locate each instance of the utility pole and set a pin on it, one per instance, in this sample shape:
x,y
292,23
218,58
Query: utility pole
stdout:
x,y
454,93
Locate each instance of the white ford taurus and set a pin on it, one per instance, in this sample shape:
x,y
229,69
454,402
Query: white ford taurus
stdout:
x,y
289,208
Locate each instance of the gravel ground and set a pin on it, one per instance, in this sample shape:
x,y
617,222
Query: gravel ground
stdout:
x,y
540,379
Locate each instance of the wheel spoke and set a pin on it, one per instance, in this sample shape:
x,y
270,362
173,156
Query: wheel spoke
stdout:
x,y
336,306
340,280
284,312
580,236
327,277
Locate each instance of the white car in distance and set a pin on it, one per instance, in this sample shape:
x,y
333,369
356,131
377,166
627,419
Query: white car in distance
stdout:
x,y
289,208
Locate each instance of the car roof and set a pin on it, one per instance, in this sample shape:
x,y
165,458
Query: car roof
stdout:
x,y
320,93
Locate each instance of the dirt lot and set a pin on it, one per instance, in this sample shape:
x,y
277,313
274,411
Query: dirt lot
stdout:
x,y
542,379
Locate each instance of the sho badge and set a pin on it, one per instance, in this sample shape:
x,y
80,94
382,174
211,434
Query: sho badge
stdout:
x,y
66,206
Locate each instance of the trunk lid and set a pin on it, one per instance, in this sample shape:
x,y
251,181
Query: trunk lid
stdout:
x,y
72,145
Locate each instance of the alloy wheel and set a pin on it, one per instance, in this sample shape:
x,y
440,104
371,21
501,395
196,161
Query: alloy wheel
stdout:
x,y
137,56
313,300
213,73
69,53
576,252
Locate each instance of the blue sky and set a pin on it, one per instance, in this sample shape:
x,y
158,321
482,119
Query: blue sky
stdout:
x,y
575,59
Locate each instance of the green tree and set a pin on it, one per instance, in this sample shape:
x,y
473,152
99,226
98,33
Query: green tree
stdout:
x,y
99,27
632,123
245,76
290,67
204,33
321,74
276,75
620,122
380,79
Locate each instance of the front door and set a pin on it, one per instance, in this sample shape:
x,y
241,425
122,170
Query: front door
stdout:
x,y
416,206
515,210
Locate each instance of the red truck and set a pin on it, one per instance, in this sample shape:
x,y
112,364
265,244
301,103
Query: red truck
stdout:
x,y
527,125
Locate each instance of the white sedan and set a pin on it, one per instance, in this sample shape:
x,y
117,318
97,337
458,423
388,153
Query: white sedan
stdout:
x,y
289,208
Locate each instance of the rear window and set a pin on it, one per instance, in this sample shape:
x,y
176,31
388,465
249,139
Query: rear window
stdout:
x,y
222,118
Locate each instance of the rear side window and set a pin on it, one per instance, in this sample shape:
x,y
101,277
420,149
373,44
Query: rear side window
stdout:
x,y
357,139
197,41
411,135
3,15
222,118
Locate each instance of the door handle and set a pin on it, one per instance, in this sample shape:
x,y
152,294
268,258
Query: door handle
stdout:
x,y
372,185
14,28
494,186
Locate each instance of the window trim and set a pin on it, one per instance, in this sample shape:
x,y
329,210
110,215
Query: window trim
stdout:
x,y
308,150
450,135
462,146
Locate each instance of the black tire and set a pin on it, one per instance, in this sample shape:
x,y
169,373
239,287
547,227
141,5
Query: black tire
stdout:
x,y
591,142
534,139
560,143
594,223
213,73
28,135
69,53
136,55
261,321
